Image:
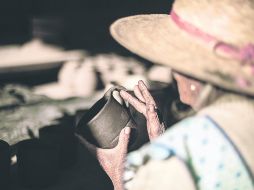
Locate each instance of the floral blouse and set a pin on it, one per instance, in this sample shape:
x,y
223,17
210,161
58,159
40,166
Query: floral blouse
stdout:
x,y
211,157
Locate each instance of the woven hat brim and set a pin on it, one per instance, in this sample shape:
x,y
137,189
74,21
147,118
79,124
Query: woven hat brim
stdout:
x,y
156,38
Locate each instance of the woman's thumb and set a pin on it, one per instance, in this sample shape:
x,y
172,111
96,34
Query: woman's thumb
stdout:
x,y
124,138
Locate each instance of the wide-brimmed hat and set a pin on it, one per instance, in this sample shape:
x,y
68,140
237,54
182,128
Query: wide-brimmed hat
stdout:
x,y
212,41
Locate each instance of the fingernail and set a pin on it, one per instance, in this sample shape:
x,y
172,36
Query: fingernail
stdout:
x,y
141,83
127,130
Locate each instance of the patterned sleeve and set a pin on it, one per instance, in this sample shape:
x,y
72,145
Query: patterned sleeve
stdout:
x,y
211,157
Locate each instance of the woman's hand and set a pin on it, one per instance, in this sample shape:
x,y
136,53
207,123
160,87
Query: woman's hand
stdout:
x,y
145,104
112,160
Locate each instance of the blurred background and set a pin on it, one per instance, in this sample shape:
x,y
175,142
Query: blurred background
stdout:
x,y
70,23
57,59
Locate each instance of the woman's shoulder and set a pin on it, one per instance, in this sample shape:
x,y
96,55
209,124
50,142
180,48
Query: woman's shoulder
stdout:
x,y
191,139
211,157
230,106
234,116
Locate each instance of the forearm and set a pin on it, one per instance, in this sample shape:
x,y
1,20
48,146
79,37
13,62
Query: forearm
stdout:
x,y
118,186
117,178
118,182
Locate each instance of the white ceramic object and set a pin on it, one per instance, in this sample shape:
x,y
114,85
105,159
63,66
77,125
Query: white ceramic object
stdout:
x,y
54,91
67,74
160,73
85,80
131,80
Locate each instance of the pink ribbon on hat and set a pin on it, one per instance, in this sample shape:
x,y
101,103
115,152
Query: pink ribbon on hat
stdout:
x,y
244,54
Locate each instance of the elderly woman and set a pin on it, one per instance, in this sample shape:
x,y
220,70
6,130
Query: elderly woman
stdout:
x,y
210,47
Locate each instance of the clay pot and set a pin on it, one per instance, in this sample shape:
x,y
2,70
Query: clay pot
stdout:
x,y
5,162
37,163
103,122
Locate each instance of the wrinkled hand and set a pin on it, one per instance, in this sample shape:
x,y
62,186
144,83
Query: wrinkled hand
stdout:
x,y
112,160
145,104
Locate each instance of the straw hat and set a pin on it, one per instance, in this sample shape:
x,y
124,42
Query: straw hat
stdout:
x,y
212,41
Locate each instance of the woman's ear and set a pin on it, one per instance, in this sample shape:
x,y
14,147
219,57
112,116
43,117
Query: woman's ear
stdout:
x,y
188,88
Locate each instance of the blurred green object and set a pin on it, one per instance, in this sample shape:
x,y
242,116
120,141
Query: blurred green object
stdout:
x,y
23,113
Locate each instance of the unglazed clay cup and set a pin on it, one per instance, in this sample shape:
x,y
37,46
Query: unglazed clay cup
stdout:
x,y
103,122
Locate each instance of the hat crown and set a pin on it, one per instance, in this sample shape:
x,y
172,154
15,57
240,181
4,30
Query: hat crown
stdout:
x,y
231,21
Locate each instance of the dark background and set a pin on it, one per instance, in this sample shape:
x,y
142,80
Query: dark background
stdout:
x,y
79,23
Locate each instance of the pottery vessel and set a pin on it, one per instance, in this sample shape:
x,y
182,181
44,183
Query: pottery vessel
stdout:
x,y
103,122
